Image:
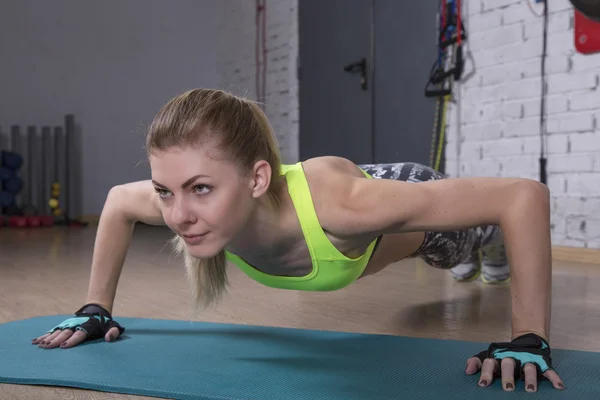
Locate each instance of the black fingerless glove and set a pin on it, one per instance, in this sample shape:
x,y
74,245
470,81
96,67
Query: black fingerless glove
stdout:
x,y
93,319
528,348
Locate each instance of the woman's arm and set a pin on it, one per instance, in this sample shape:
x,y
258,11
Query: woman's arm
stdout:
x,y
125,205
520,207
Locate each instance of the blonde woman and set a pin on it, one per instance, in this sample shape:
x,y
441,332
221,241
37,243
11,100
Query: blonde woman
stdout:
x,y
219,185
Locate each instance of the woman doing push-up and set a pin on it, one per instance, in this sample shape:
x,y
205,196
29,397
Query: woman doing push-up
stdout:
x,y
319,225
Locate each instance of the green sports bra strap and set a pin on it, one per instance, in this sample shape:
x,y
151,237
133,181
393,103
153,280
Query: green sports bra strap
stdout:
x,y
317,241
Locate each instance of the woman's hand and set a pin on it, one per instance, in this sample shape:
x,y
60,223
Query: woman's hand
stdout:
x,y
526,357
90,322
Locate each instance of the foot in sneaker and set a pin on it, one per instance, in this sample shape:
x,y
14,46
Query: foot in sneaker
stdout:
x,y
495,266
468,271
493,274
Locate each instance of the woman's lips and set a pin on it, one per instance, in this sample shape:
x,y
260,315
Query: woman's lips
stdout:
x,y
194,239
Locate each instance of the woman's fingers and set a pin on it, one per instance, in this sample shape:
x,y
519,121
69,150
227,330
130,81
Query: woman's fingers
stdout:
x,y
58,339
487,372
40,339
49,338
112,334
473,365
553,377
73,340
530,372
507,367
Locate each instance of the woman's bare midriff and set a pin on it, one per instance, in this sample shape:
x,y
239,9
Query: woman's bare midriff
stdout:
x,y
393,248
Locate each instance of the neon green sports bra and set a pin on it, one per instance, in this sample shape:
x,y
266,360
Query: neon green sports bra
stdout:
x,y
332,270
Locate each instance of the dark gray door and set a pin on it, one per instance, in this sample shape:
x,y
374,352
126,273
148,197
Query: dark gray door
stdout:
x,y
405,49
335,110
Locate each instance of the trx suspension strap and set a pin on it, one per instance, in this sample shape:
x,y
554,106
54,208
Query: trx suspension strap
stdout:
x,y
447,68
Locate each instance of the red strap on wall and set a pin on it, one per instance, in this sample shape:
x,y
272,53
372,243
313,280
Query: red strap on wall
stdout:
x,y
587,34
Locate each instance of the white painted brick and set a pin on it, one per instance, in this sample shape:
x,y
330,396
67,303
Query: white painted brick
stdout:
x,y
557,239
500,36
515,109
593,244
570,122
497,74
524,88
558,224
471,150
556,65
570,163
451,168
559,21
473,8
584,142
522,127
557,183
557,144
478,132
596,156
485,113
583,228
584,184
585,62
494,4
556,105
518,13
531,48
560,44
567,242
576,205
525,166
503,147
559,5
479,95
482,22
532,68
585,101
560,83
483,168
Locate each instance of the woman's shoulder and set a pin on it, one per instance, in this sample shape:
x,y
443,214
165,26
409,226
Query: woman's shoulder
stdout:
x,y
330,167
329,179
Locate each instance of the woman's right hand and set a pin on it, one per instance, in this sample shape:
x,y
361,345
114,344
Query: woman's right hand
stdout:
x,y
90,322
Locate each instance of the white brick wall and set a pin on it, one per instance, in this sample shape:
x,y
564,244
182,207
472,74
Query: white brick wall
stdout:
x,y
493,128
237,68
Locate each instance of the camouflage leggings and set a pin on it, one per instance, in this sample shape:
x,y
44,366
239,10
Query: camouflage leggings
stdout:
x,y
443,249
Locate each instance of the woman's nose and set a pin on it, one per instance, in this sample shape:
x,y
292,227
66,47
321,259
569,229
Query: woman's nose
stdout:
x,y
180,214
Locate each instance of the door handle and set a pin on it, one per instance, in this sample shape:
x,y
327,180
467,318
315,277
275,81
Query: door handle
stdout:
x,y
359,67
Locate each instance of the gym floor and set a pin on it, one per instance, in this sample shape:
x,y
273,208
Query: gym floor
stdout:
x,y
45,271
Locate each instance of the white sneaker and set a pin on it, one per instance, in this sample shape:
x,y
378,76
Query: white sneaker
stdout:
x,y
467,271
495,273
495,265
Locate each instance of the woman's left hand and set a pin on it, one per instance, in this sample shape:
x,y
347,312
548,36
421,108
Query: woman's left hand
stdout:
x,y
525,357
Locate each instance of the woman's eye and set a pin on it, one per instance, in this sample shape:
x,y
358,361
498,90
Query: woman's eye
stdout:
x,y
162,192
202,189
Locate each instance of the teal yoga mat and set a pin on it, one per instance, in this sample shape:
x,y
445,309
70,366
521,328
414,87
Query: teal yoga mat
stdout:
x,y
194,360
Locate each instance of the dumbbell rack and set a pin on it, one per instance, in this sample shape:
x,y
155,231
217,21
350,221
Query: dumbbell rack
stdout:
x,y
35,176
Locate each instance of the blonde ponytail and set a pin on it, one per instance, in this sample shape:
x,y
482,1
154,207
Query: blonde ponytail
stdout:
x,y
207,277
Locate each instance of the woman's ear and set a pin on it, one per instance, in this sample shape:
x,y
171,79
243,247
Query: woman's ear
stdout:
x,y
261,178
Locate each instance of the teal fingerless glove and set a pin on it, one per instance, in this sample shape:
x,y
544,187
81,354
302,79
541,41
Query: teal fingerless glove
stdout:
x,y
92,319
528,348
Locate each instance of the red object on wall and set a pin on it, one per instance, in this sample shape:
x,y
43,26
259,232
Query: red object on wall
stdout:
x,y
587,34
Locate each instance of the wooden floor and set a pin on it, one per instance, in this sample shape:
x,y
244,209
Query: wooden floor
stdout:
x,y
45,271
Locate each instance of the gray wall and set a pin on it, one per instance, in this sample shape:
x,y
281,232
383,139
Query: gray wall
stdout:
x,y
111,63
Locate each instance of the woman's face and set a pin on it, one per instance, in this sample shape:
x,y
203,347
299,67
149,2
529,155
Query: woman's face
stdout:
x,y
204,198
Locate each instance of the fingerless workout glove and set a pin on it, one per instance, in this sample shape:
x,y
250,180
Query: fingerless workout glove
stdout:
x,y
93,319
528,348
